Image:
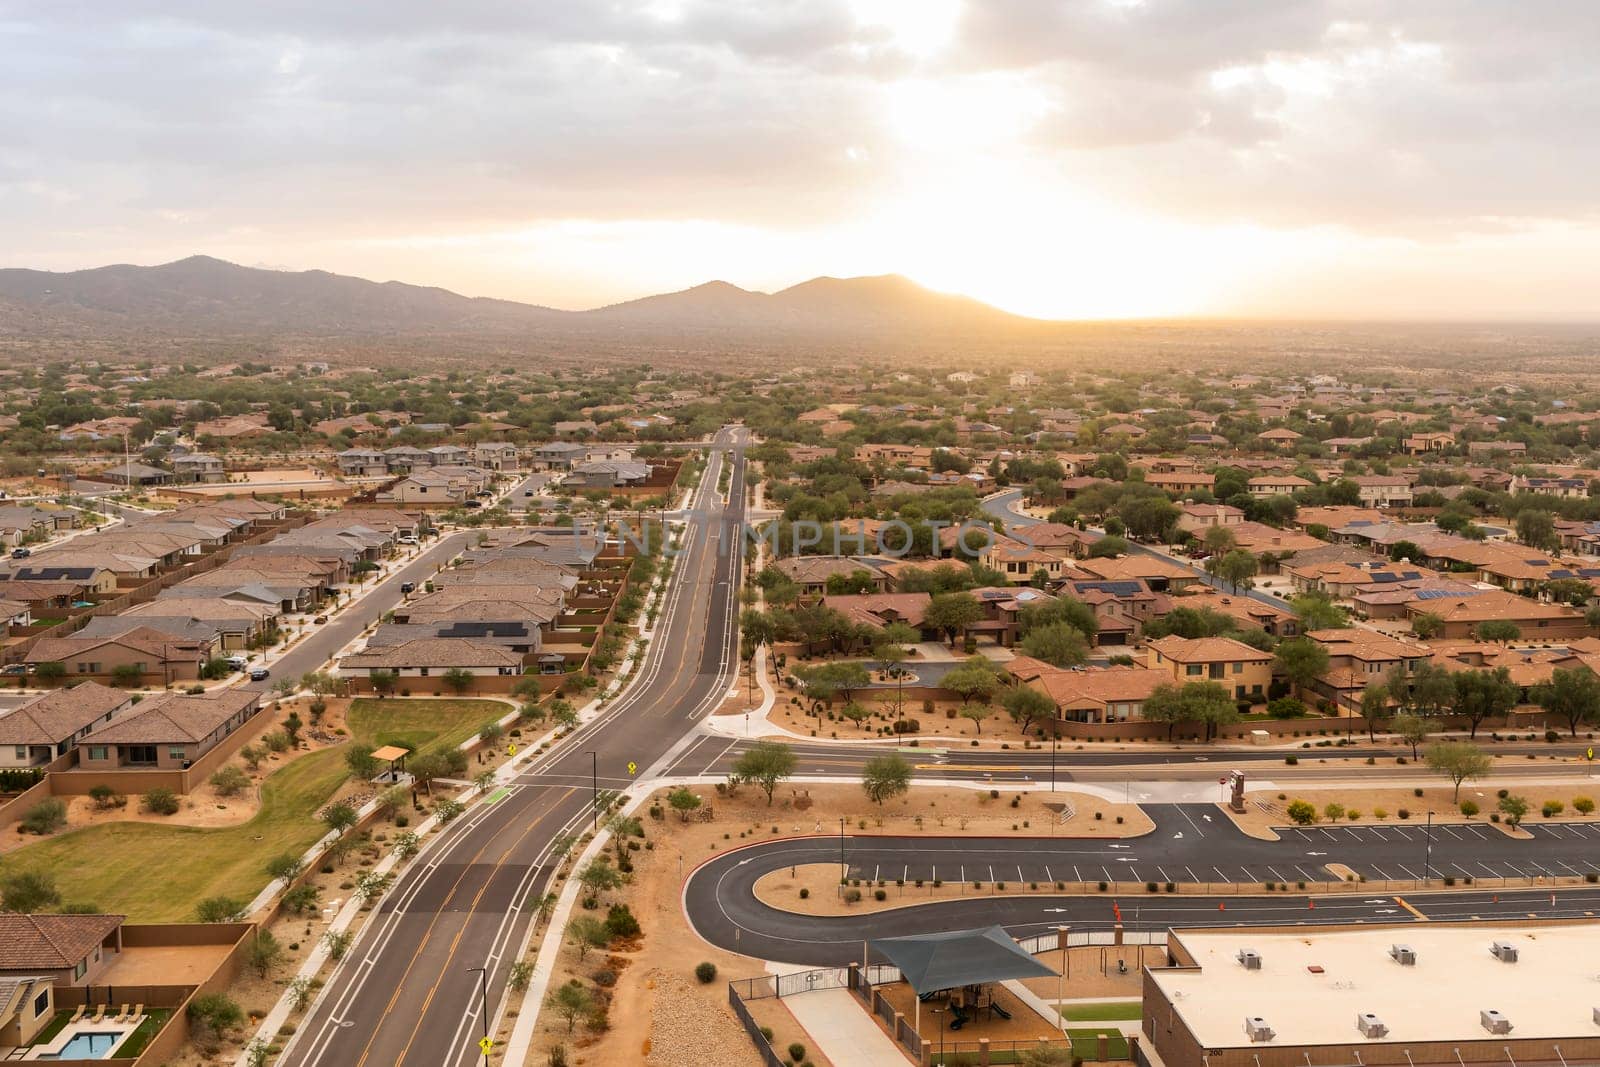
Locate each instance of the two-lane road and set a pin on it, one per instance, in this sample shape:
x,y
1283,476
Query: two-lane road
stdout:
x,y
406,993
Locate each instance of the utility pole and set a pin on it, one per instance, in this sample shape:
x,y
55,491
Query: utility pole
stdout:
x,y
842,868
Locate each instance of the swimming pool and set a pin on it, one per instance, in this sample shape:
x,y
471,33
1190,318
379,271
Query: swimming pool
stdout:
x,y
86,1046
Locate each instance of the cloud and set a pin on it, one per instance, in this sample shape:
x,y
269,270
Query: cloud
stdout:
x,y
178,125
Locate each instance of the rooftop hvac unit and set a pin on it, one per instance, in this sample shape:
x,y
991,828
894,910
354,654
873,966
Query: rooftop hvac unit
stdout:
x,y
1504,951
1257,1028
1250,959
1494,1022
1370,1025
1404,955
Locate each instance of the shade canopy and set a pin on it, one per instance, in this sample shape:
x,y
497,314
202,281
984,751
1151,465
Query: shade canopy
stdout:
x,y
390,753
957,958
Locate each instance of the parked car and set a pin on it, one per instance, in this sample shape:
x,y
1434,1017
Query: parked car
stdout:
x,y
14,668
21,553
238,663
406,539
473,504
320,619
259,674
408,587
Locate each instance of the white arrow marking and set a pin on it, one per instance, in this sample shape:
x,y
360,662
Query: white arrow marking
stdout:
x,y
1316,853
1177,835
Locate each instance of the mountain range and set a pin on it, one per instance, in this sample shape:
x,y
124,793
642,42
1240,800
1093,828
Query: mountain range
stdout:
x,y
202,295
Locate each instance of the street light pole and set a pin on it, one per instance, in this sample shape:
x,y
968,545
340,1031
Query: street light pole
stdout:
x,y
1055,738
594,787
842,868
483,994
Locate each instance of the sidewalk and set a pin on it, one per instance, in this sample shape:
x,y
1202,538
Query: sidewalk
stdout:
x,y
841,1028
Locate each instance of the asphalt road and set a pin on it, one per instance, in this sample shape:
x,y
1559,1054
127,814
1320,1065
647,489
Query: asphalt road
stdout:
x,y
314,651
407,992
1191,843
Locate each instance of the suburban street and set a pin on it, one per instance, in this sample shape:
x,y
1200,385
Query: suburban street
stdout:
x,y
407,992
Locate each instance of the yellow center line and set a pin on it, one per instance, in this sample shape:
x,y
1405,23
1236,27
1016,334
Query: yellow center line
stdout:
x,y
366,1050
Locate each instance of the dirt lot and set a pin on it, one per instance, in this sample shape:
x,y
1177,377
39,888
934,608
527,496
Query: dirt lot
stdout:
x,y
1265,810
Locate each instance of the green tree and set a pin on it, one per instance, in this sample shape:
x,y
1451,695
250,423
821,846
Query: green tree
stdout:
x,y
1458,761
211,1015
885,777
458,678
1480,695
218,909
1412,729
28,891
1537,529
1058,644
683,800
974,679
1237,568
1026,706
1573,696
572,1001
766,763
1374,707
599,876
1497,630
358,757
265,952
976,714
1317,612
1427,625
1302,661
1514,808
1219,540
952,613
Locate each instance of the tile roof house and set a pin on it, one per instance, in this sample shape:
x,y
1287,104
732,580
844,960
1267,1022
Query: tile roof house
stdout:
x,y
1092,695
47,726
70,949
159,656
1245,671
432,657
168,731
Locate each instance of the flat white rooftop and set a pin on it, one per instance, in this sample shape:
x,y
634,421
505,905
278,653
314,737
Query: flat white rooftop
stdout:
x,y
1311,987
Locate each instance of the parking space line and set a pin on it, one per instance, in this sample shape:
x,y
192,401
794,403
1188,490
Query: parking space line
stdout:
x,y
1382,873
1192,878
1276,874
1163,872
1408,871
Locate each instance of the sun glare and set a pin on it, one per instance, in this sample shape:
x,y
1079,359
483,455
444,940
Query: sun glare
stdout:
x,y
920,27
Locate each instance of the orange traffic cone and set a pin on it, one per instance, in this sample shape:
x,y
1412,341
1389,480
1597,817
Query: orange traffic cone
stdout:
x,y
1497,898
1311,905
1222,905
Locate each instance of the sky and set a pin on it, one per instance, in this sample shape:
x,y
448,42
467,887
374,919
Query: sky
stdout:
x,y
1413,159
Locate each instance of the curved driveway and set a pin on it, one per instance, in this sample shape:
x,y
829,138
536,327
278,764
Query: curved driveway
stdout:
x,y
1190,844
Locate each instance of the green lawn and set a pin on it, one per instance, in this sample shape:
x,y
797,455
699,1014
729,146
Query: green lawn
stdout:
x,y
1109,1012
1086,1043
154,1020
156,873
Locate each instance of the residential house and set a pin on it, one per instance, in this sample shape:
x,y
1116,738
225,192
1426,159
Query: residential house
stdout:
x,y
1161,575
1244,671
1359,657
133,472
362,463
1020,561
168,731
198,467
607,474
1382,490
1059,539
70,950
434,657
47,726
1180,483
27,1006
1276,485
496,456
143,654
1419,444
1092,695
1536,620
1563,488
1198,518
1280,437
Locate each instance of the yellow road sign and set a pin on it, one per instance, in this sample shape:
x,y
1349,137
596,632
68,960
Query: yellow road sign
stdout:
x,y
486,1043
511,749
1589,755
633,768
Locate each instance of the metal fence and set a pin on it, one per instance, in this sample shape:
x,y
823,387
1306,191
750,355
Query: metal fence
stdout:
x,y
805,981
769,1056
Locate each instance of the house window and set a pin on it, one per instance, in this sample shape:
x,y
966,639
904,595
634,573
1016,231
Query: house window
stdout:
x,y
422,671
1193,670
81,969
1238,668
21,752
176,752
97,752
41,1003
